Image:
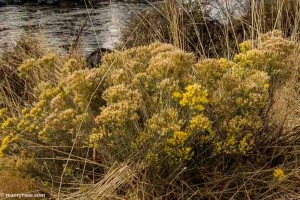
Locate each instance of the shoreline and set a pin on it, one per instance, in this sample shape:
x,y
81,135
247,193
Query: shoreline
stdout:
x,y
63,3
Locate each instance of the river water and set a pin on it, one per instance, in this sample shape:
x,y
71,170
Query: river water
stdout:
x,y
60,24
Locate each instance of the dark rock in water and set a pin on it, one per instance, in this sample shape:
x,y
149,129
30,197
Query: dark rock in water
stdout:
x,y
94,59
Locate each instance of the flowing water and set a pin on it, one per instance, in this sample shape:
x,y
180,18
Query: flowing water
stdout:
x,y
61,24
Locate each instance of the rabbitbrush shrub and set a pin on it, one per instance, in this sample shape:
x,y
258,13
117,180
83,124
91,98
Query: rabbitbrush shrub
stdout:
x,y
191,126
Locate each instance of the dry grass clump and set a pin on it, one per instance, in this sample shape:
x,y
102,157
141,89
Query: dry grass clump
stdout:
x,y
188,26
212,28
14,89
153,123
274,14
17,90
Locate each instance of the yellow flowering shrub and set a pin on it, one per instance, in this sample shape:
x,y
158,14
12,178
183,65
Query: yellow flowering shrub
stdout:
x,y
110,103
141,83
154,102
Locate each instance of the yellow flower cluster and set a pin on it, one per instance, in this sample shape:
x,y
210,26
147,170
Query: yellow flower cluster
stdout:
x,y
273,55
27,67
246,46
6,125
122,106
178,138
5,143
118,114
164,123
202,127
36,68
47,60
279,174
176,147
70,66
171,64
95,137
195,97
208,72
3,113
